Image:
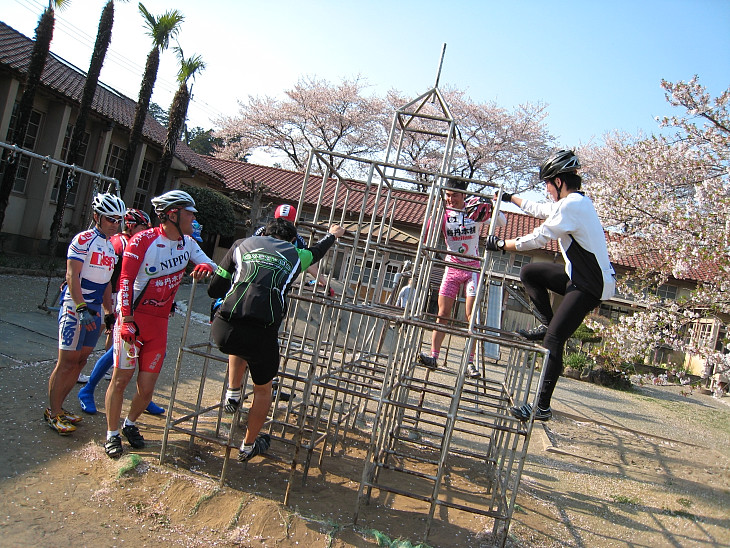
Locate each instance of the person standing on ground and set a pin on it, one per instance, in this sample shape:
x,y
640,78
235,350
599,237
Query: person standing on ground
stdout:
x,y
89,266
289,213
253,279
461,228
153,266
586,279
135,221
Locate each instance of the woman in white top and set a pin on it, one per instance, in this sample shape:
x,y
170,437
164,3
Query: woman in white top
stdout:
x,y
586,279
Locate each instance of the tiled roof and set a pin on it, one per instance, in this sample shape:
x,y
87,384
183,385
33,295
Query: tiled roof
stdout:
x,y
287,186
67,81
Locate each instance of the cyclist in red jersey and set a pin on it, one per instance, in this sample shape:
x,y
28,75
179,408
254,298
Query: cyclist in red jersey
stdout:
x,y
153,266
135,221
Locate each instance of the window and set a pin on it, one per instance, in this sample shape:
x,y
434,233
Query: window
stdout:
x,y
518,261
500,262
702,334
666,291
29,143
371,274
114,162
62,173
143,185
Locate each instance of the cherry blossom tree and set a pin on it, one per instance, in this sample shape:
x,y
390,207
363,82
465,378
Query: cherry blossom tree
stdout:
x,y
314,114
669,199
493,143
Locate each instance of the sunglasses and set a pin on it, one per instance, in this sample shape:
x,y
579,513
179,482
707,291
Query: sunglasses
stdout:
x,y
115,220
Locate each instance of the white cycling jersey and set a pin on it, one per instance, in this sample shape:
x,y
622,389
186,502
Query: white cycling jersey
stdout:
x,y
96,252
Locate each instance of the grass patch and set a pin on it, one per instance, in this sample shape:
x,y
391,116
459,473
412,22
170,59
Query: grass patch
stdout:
x,y
202,499
679,514
241,505
624,499
684,502
384,540
128,463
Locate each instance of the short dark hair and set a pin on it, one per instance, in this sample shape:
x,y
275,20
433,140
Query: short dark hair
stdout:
x,y
572,180
455,184
281,229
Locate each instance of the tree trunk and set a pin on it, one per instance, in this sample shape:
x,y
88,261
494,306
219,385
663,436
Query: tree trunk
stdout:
x,y
43,37
140,113
103,38
178,113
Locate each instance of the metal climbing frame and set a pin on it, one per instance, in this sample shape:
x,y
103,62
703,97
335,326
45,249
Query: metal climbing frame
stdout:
x,y
350,361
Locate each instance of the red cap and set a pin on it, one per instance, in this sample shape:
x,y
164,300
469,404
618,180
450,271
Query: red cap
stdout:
x,y
286,211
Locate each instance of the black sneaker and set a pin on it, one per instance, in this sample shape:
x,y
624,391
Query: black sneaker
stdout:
x,y
231,405
135,439
428,361
524,411
260,446
534,334
283,396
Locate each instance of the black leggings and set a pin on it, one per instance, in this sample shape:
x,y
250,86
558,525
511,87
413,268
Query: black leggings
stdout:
x,y
538,279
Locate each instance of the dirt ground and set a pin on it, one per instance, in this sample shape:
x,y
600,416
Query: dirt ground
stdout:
x,y
644,468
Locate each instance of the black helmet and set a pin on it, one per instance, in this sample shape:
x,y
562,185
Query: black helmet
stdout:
x,y
563,161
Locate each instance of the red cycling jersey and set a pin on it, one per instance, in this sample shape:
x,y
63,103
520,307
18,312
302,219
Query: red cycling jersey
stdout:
x,y
152,269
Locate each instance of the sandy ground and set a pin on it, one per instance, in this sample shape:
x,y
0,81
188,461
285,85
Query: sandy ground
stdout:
x,y
646,468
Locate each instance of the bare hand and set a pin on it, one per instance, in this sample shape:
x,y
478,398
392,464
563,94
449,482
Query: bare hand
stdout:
x,y
337,231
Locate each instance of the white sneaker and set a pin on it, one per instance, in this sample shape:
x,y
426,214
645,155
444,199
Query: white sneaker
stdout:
x,y
472,371
108,375
83,379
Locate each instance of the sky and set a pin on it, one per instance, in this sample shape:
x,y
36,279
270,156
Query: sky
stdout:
x,y
597,65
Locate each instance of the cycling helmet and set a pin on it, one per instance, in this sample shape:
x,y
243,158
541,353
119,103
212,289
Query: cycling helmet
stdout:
x,y
134,217
563,161
175,199
108,204
197,229
478,208
286,211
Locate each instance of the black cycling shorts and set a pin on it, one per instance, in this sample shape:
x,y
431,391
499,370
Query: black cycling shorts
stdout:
x,y
256,344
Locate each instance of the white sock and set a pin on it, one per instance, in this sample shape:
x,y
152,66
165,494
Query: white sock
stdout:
x,y
111,433
233,394
247,448
128,422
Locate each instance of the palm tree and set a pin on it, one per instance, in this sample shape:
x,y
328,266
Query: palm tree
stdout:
x,y
189,68
161,29
43,37
103,38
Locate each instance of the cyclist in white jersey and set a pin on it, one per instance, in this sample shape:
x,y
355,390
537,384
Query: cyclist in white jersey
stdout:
x,y
89,266
586,279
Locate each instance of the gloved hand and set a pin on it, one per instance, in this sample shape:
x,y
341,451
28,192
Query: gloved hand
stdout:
x,y
492,243
506,197
109,320
128,332
86,317
202,270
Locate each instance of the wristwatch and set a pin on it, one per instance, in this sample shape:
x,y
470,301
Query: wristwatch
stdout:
x,y
500,244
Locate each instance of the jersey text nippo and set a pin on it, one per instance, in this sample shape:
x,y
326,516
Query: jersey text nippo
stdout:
x,y
152,269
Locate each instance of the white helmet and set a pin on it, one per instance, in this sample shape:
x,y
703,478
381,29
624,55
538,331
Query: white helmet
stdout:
x,y
108,204
174,199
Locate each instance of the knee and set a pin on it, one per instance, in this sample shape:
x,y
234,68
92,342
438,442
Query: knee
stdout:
x,y
527,273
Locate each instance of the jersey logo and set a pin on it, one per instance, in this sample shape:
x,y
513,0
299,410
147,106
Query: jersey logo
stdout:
x,y
150,270
100,259
86,237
